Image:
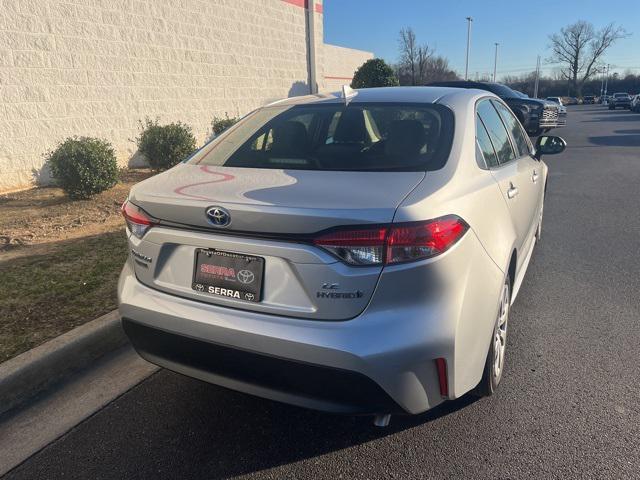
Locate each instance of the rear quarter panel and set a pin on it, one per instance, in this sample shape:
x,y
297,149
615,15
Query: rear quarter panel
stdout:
x,y
462,188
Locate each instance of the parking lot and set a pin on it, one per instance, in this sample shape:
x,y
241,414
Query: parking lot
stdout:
x,y
567,407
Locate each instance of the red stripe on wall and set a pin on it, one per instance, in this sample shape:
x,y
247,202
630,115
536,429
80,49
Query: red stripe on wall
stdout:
x,y
304,4
338,78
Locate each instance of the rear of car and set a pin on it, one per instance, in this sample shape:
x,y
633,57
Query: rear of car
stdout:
x,y
620,100
589,100
311,254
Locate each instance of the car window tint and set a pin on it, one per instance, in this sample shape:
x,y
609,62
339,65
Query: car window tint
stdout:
x,y
513,125
497,133
484,143
358,136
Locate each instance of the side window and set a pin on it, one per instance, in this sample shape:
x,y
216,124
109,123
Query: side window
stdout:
x,y
497,132
484,144
513,125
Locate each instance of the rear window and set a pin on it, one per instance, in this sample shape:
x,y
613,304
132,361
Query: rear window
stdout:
x,y
358,136
502,90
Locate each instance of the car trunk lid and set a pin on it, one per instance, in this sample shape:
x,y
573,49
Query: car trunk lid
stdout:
x,y
274,216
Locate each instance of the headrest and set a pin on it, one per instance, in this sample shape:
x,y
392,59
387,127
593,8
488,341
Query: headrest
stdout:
x,y
405,138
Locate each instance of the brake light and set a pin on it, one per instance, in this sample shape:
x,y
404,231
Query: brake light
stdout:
x,y
138,221
394,243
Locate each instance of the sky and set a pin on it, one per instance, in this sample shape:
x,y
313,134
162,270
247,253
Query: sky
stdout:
x,y
521,27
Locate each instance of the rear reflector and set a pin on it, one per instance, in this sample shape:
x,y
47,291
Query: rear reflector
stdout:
x,y
441,365
392,244
138,221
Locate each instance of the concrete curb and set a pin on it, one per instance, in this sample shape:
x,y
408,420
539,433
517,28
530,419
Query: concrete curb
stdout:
x,y
32,372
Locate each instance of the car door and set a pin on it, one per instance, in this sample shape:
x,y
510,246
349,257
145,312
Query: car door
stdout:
x,y
533,181
517,173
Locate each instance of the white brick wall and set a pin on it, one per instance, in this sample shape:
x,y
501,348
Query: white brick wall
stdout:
x,y
340,64
97,67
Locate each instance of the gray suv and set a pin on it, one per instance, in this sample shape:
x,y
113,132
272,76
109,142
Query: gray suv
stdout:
x,y
354,253
622,100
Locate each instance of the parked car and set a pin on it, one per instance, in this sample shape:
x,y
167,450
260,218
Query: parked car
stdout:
x,y
588,100
561,107
570,101
635,103
537,116
622,100
264,263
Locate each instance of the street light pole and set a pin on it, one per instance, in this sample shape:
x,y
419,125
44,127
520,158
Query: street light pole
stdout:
x,y
466,68
495,62
606,81
535,86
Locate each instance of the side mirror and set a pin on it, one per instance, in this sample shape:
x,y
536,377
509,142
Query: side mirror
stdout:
x,y
549,145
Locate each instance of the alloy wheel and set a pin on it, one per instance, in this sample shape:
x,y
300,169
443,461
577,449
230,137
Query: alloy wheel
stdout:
x,y
500,334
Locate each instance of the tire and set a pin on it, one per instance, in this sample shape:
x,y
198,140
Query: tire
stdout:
x,y
494,364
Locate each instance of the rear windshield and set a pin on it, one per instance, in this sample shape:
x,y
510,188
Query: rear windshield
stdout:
x,y
358,136
502,90
618,95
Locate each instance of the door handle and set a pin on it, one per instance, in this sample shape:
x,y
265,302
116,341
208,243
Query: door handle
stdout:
x,y
512,192
535,176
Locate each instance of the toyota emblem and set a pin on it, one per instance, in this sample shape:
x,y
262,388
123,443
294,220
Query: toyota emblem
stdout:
x,y
218,216
245,276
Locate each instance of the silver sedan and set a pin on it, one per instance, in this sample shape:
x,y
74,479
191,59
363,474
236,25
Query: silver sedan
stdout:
x,y
355,252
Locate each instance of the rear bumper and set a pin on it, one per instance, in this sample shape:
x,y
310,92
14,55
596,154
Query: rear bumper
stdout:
x,y
302,383
382,361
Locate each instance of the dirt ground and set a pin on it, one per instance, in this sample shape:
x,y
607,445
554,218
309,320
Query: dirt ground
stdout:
x,y
59,261
45,215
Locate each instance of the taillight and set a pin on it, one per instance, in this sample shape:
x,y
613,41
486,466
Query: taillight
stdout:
x,y
394,243
138,221
357,247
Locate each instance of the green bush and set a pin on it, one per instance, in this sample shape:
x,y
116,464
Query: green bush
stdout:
x,y
165,145
83,166
219,125
374,73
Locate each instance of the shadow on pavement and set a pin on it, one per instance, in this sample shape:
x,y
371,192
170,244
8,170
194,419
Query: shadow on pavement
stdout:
x,y
615,116
627,131
616,140
204,431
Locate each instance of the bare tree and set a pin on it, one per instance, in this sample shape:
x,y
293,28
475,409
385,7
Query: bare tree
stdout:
x,y
578,47
438,70
424,60
408,52
414,58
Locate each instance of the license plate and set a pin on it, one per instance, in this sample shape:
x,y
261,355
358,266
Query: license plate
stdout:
x,y
228,275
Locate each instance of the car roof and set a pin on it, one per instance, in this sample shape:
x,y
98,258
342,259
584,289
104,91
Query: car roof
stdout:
x,y
387,95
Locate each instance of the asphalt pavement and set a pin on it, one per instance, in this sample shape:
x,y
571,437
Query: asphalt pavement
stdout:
x,y
568,406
